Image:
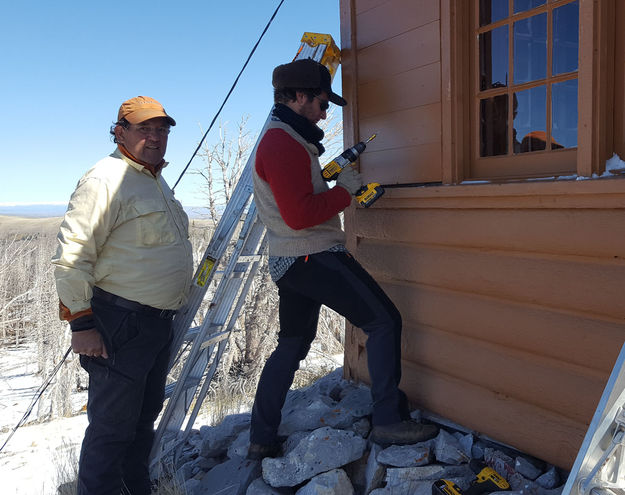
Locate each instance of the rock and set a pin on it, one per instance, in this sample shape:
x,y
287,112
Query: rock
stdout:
x,y
526,468
406,455
374,475
357,402
500,462
362,427
433,472
549,480
333,482
216,439
322,450
448,450
239,446
259,487
229,478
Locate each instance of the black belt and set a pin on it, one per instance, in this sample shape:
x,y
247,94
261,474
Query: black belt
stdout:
x,y
165,314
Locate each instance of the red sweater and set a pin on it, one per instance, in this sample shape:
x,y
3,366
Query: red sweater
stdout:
x,y
285,165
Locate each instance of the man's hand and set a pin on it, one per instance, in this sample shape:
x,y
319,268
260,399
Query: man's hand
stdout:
x,y
89,343
349,179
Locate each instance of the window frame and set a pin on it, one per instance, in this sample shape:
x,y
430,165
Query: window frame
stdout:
x,y
460,139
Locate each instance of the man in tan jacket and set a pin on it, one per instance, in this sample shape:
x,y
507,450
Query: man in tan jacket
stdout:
x,y
122,269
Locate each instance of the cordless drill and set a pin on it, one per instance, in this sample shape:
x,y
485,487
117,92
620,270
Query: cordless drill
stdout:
x,y
487,480
367,194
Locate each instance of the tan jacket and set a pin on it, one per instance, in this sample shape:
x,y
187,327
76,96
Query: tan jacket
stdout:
x,y
126,233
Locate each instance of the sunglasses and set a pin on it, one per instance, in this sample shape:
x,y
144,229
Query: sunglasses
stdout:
x,y
323,104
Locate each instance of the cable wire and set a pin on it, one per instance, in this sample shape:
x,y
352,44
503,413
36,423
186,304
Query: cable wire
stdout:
x,y
229,93
36,398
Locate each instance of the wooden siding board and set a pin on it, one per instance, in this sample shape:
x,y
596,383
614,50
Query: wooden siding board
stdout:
x,y
409,50
592,233
392,18
413,88
396,166
548,384
546,280
552,334
544,434
409,127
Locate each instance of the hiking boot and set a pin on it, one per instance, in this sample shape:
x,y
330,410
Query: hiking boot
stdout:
x,y
258,451
405,432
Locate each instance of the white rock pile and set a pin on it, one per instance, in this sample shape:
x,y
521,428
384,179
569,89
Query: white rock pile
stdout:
x,y
326,452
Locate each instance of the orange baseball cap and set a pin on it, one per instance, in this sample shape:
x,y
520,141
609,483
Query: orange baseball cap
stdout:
x,y
142,108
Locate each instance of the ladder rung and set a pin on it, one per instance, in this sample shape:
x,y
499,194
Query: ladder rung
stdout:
x,y
217,337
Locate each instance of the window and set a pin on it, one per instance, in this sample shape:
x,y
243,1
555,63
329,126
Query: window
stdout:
x,y
524,80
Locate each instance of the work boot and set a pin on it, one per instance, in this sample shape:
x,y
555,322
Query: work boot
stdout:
x,y
406,432
258,451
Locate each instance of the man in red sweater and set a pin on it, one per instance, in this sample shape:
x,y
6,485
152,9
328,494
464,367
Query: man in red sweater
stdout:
x,y
310,265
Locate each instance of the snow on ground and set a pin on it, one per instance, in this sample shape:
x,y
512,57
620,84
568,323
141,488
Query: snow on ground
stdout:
x,y
30,460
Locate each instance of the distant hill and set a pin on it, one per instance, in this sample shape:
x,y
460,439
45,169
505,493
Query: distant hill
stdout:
x,y
58,210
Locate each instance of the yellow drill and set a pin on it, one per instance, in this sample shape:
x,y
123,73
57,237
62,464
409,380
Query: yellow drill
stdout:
x,y
367,194
486,480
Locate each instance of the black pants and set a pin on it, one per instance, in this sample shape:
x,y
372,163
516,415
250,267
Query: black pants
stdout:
x,y
338,281
126,393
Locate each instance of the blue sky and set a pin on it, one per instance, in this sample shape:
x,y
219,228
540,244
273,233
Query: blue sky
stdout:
x,y
68,65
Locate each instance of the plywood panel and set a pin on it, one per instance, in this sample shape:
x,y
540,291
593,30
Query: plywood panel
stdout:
x,y
544,280
594,233
414,48
393,18
420,163
413,88
567,337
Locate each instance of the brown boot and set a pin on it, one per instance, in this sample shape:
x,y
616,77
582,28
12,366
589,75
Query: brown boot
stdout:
x,y
403,433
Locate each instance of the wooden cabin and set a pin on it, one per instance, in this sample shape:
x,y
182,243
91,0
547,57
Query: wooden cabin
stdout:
x,y
501,237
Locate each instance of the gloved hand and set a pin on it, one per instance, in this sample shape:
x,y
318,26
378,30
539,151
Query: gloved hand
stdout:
x,y
350,179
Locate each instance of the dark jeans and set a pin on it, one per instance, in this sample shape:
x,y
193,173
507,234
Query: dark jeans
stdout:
x,y
126,393
337,280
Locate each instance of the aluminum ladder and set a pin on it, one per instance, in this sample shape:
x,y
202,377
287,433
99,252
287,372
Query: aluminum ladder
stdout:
x,y
207,343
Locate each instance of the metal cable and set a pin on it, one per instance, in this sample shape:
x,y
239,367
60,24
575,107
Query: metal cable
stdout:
x,y
36,398
229,93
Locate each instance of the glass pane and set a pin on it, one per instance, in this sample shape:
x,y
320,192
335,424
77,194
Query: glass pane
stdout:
x,y
530,120
494,58
494,126
530,49
523,5
565,38
492,11
564,114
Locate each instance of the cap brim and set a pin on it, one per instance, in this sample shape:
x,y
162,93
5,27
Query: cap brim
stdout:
x,y
337,100
147,114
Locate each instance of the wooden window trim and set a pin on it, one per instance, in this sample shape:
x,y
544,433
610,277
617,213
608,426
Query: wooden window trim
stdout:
x,y
595,90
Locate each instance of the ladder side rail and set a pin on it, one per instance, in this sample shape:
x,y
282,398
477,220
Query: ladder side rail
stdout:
x,y
201,395
215,250
197,360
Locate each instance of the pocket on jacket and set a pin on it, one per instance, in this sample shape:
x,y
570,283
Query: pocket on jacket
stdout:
x,y
154,227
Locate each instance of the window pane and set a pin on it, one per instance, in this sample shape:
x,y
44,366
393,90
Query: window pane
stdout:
x,y
530,120
494,58
564,114
530,49
494,126
492,11
523,5
565,38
